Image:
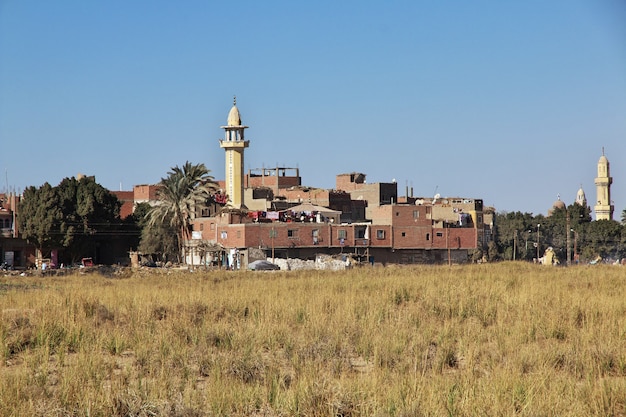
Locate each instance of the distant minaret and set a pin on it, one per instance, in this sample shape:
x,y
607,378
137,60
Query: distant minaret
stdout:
x,y
604,208
234,145
581,199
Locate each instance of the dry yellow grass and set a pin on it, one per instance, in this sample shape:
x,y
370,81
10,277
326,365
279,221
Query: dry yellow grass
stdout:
x,y
506,339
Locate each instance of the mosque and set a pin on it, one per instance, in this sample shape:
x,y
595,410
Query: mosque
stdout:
x,y
604,207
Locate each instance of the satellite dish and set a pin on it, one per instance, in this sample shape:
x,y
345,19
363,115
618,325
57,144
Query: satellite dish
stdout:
x,y
436,197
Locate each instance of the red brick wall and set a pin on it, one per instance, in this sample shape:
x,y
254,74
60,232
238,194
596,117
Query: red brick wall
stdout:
x,y
145,192
407,233
349,182
287,234
127,198
316,196
271,181
381,235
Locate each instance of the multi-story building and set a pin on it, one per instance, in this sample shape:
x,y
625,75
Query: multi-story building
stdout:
x,y
285,219
15,252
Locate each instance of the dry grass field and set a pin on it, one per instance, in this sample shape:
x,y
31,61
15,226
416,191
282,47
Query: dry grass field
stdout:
x,y
494,340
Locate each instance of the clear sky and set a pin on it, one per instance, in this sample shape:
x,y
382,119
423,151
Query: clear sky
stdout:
x,y
508,101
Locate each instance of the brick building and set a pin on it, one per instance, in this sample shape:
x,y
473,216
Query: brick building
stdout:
x,y
357,218
14,251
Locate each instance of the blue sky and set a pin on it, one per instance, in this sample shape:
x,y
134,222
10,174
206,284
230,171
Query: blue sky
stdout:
x,y
510,102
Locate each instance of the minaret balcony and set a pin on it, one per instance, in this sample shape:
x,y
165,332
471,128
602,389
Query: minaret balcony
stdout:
x,y
237,144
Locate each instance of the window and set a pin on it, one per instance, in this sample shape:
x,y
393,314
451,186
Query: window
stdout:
x,y
380,234
403,234
427,236
416,214
201,226
341,234
397,213
224,235
212,226
292,233
439,234
238,234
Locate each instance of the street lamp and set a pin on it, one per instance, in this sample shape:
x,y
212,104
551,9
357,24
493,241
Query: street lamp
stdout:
x,y
528,235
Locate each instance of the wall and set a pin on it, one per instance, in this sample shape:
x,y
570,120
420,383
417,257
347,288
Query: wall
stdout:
x,y
145,193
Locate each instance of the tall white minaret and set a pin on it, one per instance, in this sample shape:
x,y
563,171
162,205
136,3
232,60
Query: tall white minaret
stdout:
x,y
604,207
234,145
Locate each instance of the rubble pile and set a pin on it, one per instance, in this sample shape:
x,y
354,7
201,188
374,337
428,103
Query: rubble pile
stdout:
x,y
320,263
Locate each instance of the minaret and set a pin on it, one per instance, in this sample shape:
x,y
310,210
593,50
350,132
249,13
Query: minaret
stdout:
x,y
604,208
581,199
234,145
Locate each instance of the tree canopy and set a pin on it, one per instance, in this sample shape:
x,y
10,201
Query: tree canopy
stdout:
x,y
69,216
40,215
180,197
158,239
524,236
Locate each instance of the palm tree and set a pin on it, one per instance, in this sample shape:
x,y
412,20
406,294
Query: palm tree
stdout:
x,y
624,217
181,195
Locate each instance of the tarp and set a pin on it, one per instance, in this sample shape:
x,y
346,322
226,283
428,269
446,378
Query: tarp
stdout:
x,y
324,211
312,207
262,265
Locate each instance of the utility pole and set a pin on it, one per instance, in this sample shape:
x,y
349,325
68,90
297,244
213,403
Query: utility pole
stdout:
x,y
448,245
538,226
567,230
273,235
575,242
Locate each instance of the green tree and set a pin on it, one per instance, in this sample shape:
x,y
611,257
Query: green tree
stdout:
x,y
90,212
592,238
513,233
156,239
604,238
73,217
563,221
181,195
39,214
